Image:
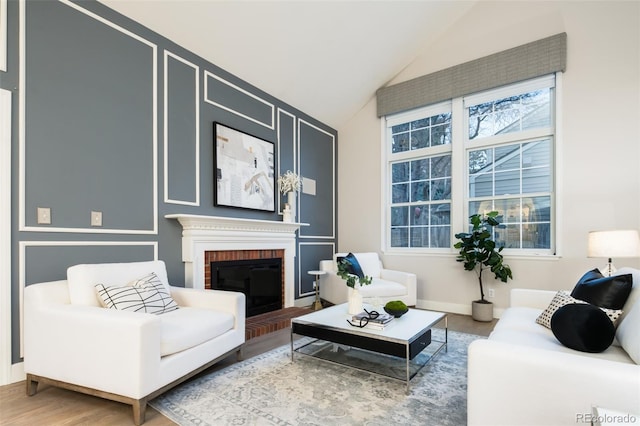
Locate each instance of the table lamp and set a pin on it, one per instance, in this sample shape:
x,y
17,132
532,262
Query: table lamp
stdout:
x,y
610,244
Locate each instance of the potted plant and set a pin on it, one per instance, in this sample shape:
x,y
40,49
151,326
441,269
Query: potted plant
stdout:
x,y
354,282
478,252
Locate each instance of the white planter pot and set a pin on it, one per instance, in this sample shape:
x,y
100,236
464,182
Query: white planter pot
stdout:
x,y
355,301
482,311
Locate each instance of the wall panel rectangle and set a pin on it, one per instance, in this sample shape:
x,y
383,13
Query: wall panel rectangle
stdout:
x,y
98,150
181,131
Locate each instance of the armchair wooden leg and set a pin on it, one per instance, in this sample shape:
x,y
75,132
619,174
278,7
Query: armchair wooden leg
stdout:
x,y
139,411
240,354
32,385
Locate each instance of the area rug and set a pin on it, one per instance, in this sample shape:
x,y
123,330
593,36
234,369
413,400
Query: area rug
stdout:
x,y
270,389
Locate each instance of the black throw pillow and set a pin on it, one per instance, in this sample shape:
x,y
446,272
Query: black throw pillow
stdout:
x,y
605,292
583,327
590,275
353,267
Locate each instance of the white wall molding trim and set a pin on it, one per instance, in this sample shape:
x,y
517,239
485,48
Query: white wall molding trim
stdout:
x,y
22,130
333,174
294,138
209,74
5,242
454,308
215,233
167,198
302,272
3,35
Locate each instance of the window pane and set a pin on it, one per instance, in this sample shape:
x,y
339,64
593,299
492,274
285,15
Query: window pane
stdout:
x,y
420,169
512,114
536,154
420,124
508,158
400,193
420,139
507,183
480,159
441,236
420,237
399,216
441,189
399,237
420,215
400,172
441,166
400,142
440,214
481,185
536,180
420,191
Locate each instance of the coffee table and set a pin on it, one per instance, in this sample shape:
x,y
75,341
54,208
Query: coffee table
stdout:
x,y
405,338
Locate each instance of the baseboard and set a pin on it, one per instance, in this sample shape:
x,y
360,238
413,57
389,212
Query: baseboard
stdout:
x,y
17,373
454,308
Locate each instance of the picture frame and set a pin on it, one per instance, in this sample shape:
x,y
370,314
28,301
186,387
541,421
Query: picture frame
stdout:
x,y
244,170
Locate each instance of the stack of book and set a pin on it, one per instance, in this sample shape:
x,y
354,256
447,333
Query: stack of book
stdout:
x,y
378,323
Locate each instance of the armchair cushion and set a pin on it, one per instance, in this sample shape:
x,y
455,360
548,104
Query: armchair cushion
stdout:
x,y
146,294
188,327
606,292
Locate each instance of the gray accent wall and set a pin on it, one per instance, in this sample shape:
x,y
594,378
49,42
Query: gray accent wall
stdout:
x,y
109,116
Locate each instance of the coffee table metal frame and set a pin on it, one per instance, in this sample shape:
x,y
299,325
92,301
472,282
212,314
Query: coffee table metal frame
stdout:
x,y
405,337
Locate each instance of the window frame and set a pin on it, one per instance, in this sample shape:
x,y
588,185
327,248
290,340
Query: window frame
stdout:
x,y
460,148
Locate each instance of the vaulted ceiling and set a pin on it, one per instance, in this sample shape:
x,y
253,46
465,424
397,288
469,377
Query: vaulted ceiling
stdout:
x,y
326,58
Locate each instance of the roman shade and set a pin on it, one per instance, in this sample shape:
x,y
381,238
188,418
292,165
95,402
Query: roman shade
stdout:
x,y
520,63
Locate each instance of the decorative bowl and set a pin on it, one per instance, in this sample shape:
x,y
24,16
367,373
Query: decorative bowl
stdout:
x,y
396,313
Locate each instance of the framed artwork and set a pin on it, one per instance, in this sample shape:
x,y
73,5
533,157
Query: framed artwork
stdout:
x,y
244,170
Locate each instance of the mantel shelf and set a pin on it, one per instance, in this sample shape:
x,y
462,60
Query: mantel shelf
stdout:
x,y
220,223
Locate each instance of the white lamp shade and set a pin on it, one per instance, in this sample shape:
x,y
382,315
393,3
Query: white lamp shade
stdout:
x,y
621,243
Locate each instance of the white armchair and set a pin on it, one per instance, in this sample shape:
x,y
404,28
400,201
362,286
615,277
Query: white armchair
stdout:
x,y
386,284
72,341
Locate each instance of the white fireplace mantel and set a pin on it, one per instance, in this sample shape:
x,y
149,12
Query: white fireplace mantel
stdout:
x,y
208,233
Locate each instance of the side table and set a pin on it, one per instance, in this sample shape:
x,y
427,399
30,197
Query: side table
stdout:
x,y
317,305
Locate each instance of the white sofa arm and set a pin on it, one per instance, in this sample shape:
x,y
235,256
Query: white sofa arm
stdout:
x,y
105,349
505,379
530,298
407,279
226,301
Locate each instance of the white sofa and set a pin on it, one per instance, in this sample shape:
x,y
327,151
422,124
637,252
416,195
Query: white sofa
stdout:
x,y
386,284
71,341
522,375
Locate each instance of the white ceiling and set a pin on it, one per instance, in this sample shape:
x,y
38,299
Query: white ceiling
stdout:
x,y
326,58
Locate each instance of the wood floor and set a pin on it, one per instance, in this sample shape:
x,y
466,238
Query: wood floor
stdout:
x,y
54,406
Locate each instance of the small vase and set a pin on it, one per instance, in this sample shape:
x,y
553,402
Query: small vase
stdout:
x,y
355,301
286,214
291,200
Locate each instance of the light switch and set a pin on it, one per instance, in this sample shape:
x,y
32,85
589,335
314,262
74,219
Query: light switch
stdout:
x,y
96,218
44,216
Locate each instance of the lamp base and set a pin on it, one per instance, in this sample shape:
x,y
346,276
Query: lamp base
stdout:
x,y
608,269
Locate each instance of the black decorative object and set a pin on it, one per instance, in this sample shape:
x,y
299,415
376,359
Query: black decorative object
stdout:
x,y
583,327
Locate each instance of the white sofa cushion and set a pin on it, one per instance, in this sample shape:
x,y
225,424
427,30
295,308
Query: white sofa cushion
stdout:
x,y
628,333
383,288
145,295
370,264
187,327
83,278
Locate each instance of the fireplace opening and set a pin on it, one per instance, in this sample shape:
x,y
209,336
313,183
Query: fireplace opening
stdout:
x,y
259,279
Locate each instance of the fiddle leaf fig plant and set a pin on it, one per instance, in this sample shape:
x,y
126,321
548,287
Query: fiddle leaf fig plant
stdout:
x,y
344,268
478,250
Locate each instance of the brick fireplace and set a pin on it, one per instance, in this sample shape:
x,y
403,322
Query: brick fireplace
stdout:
x,y
235,237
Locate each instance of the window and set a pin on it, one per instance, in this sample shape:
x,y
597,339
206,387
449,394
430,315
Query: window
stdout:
x,y
504,154
420,171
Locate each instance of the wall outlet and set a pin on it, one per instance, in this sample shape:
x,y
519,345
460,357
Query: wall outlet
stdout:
x,y
491,292
96,218
44,216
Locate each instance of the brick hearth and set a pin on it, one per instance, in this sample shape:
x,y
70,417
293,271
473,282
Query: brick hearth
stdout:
x,y
262,324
